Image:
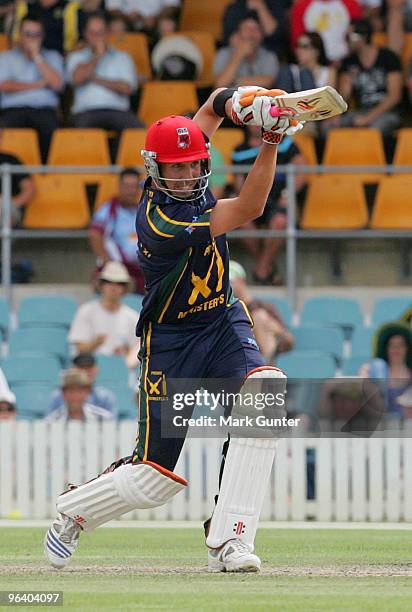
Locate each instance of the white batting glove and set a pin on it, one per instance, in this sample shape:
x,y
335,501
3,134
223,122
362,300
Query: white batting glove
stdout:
x,y
242,104
275,122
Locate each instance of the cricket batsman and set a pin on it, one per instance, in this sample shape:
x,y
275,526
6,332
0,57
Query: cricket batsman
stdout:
x,y
191,326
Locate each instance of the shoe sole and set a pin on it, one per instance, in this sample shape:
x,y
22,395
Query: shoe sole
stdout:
x,y
248,568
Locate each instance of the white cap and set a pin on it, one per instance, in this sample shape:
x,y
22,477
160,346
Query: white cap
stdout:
x,y
115,272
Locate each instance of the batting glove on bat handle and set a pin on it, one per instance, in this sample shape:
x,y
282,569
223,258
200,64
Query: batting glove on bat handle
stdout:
x,y
242,103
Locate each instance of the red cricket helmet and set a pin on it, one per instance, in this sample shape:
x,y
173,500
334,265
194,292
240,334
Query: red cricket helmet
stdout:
x,y
176,139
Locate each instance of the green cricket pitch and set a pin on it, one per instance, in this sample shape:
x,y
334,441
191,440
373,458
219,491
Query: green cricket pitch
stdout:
x,y
165,569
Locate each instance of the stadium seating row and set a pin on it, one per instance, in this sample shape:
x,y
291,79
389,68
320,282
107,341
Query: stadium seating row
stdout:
x,y
58,311
70,146
61,200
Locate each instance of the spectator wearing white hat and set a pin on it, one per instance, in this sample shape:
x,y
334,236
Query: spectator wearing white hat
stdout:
x,y
106,326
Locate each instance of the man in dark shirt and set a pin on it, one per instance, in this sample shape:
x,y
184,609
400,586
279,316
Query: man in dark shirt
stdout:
x,y
192,327
22,187
271,16
57,17
372,77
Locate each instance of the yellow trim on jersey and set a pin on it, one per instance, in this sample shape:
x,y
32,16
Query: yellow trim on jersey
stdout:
x,y
152,225
146,444
169,299
247,312
185,223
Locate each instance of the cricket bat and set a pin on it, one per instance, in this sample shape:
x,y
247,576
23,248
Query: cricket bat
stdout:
x,y
308,105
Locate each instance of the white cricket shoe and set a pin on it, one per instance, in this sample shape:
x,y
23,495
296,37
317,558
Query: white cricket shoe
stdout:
x,y
233,556
61,540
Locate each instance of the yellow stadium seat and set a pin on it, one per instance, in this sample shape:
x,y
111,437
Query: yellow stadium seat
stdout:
x,y
334,203
131,143
403,149
108,187
60,203
226,140
206,43
355,147
162,98
306,145
136,44
205,16
392,208
23,143
79,147
4,42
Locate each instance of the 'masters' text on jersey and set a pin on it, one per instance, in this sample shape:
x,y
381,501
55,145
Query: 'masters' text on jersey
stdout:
x,y
185,269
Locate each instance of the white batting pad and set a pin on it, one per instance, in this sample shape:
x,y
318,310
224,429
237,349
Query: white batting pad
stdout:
x,y
142,485
248,466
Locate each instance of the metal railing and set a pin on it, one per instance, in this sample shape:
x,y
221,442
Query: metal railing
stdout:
x,y
292,234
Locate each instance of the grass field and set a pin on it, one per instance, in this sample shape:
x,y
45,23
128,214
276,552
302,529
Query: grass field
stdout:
x,y
164,569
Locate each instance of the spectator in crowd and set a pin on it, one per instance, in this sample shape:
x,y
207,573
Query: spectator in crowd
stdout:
x,y
372,77
176,57
103,80
117,25
7,399
271,16
22,186
272,335
274,216
98,396
112,232
80,10
330,18
58,18
105,325
142,14
245,61
392,362
6,15
312,68
75,400
31,78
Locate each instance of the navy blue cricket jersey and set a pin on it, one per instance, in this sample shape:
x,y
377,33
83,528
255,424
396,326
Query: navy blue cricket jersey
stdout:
x,y
185,269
